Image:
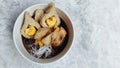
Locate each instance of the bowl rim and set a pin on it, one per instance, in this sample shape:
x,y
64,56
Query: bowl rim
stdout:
x,y
14,38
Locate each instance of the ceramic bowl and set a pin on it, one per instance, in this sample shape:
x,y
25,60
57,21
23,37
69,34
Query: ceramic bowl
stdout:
x,y
18,39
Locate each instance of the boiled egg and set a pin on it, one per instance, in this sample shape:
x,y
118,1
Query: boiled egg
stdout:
x,y
30,30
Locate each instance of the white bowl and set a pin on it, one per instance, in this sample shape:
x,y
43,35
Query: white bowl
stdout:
x,y
18,39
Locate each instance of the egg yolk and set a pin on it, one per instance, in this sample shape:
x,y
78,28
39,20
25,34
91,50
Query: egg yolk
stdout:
x,y
55,26
30,30
40,43
51,21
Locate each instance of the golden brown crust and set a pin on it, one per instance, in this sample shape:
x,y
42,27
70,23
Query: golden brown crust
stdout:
x,y
38,14
41,33
47,39
58,35
49,12
28,20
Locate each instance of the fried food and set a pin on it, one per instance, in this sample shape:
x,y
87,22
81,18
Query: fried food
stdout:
x,y
50,12
41,33
28,21
38,14
58,36
47,39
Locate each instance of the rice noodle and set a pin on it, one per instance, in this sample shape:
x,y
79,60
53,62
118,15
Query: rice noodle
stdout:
x,y
45,50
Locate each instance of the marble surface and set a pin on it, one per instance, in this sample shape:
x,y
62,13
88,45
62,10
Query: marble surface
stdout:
x,y
96,40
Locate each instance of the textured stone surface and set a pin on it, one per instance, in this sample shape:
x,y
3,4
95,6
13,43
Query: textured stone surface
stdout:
x,y
96,40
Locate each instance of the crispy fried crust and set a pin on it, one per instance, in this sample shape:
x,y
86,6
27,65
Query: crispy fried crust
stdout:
x,y
38,14
47,39
28,20
41,33
49,12
58,35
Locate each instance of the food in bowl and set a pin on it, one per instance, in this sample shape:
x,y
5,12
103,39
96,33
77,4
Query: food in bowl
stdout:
x,y
44,34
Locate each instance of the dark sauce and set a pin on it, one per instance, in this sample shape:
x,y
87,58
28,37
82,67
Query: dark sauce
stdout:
x,y
55,51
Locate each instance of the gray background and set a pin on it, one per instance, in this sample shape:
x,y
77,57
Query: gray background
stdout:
x,y
96,40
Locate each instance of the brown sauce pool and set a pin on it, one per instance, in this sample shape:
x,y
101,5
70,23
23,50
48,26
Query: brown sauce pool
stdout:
x,y
55,51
